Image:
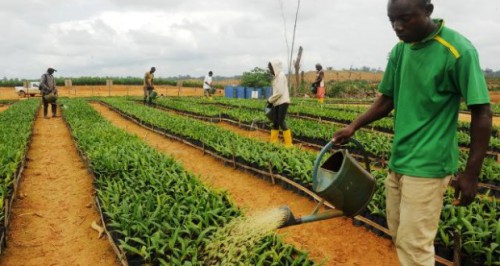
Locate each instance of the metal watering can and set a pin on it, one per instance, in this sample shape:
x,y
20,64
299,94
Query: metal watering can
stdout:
x,y
341,181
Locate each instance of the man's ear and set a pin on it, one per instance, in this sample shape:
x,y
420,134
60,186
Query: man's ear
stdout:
x,y
429,8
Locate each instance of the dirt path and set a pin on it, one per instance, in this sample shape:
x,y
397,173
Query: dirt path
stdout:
x,y
3,107
52,214
466,118
336,241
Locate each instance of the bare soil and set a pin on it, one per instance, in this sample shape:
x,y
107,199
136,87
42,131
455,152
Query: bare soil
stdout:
x,y
116,90
334,241
467,118
495,96
53,211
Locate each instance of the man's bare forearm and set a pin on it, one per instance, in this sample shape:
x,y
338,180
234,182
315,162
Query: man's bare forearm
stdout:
x,y
382,106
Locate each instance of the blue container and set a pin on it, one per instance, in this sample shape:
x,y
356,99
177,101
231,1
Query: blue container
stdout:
x,y
267,92
229,92
248,92
240,92
253,93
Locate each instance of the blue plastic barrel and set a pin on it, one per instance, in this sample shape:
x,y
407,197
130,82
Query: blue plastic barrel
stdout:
x,y
248,92
267,92
240,92
229,92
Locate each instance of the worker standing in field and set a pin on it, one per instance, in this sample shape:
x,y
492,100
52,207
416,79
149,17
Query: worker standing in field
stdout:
x,y
49,92
427,74
319,83
149,85
280,100
207,85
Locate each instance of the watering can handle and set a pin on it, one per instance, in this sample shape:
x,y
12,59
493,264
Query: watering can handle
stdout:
x,y
327,147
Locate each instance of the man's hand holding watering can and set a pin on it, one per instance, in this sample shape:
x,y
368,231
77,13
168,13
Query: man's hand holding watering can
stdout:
x,y
343,135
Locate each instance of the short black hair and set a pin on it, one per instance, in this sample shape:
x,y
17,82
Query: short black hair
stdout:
x,y
424,2
210,72
421,3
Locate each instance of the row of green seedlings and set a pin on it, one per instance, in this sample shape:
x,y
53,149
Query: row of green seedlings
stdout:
x,y
156,211
378,145
386,125
361,107
293,163
16,126
491,169
218,138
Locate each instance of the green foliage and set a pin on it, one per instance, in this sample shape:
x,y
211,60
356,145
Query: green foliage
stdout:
x,y
156,210
193,83
10,82
16,124
256,78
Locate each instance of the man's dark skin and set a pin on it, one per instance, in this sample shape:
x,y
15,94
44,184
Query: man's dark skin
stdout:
x,y
411,21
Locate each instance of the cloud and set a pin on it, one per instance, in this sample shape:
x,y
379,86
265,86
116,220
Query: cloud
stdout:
x,y
126,37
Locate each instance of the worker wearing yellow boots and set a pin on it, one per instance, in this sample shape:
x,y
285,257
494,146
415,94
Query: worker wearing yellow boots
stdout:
x,y
280,101
320,83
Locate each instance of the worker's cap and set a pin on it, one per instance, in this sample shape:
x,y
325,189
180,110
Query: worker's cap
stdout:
x,y
51,69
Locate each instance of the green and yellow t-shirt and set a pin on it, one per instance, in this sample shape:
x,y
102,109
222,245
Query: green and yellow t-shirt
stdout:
x,y
427,80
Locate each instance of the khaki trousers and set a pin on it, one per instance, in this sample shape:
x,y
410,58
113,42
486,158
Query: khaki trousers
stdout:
x,y
413,207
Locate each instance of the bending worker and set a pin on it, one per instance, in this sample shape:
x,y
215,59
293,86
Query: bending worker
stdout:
x,y
149,85
280,101
427,74
48,86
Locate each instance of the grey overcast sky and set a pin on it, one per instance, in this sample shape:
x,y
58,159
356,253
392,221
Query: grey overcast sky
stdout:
x,y
126,37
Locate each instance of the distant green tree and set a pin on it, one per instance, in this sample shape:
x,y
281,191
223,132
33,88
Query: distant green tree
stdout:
x,y
256,78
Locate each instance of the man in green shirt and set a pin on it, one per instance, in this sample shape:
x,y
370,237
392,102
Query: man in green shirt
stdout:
x,y
428,72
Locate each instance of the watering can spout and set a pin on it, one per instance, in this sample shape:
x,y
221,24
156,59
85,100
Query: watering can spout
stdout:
x,y
288,217
290,220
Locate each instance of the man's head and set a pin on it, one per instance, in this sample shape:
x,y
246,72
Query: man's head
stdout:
x,y
318,66
411,19
210,73
51,71
153,69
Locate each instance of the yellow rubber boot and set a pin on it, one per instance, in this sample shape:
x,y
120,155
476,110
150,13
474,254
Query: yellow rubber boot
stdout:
x,y
274,135
287,136
321,100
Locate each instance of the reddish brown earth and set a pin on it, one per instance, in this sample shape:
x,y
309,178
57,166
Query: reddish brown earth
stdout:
x,y
53,211
334,241
116,90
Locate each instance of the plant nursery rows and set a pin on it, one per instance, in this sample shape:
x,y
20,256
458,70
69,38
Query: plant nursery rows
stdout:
x,y
156,212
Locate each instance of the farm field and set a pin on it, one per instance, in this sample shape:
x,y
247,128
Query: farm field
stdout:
x,y
355,244
7,93
52,214
333,242
136,112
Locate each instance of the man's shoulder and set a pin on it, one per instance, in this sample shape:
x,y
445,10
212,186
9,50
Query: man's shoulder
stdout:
x,y
456,40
